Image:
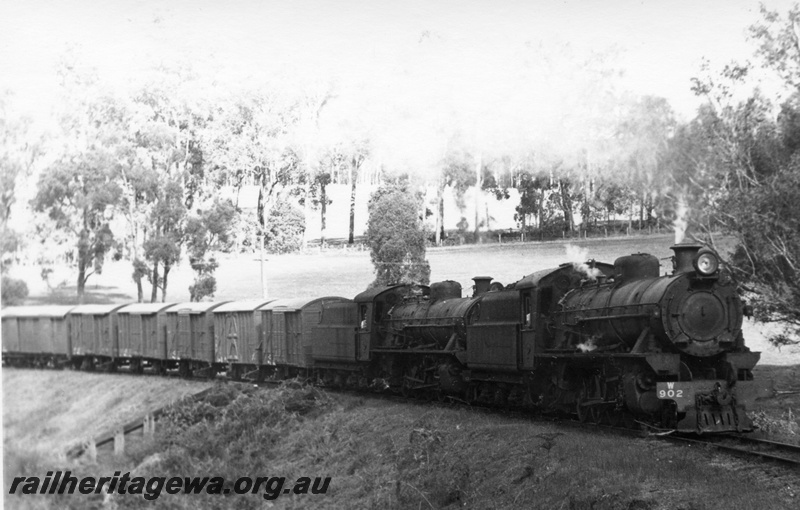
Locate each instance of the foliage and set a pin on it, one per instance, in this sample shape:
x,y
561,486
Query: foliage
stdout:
x,y
205,284
752,174
396,237
766,222
166,235
284,229
14,291
18,151
78,193
210,229
532,189
9,243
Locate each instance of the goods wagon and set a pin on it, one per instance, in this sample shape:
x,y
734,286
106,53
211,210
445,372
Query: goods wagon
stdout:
x,y
143,336
36,335
94,336
190,338
333,341
288,326
238,337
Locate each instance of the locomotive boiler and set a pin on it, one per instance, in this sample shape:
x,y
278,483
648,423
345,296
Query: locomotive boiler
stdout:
x,y
690,312
676,341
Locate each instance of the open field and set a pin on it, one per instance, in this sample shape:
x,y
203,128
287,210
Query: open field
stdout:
x,y
338,271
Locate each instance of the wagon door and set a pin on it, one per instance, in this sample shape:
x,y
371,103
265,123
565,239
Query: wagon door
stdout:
x,y
11,341
100,327
279,340
230,333
136,332
204,337
294,338
183,346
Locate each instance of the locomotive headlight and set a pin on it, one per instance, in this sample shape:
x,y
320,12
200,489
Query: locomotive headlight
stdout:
x,y
706,263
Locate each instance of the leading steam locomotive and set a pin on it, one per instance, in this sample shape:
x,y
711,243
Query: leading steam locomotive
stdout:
x,y
609,343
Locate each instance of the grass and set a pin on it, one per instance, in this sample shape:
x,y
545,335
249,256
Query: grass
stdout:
x,y
45,412
384,455
779,418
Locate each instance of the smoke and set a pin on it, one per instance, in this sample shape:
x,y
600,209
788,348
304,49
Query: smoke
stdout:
x,y
680,223
589,345
578,257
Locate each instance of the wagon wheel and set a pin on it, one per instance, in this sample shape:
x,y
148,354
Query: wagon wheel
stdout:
x,y
586,413
184,370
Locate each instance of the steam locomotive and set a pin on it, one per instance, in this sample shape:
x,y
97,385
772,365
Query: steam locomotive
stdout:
x,y
609,343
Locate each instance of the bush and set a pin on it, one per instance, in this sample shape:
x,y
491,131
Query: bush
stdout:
x,y
396,237
766,222
204,286
285,227
14,291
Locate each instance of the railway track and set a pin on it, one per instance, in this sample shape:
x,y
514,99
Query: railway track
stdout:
x,y
748,447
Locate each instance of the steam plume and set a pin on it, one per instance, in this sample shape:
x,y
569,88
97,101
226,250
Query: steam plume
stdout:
x,y
680,223
578,257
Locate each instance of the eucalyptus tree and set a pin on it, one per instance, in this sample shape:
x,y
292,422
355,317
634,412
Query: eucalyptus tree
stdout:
x,y
169,162
396,237
79,191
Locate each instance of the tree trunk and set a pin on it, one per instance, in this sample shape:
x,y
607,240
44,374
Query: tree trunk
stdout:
x,y
440,212
641,210
323,195
139,291
353,178
167,267
566,205
307,207
81,277
478,168
263,269
154,292
540,214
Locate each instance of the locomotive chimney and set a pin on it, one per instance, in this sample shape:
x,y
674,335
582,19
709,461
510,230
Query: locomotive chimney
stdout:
x,y
685,253
482,284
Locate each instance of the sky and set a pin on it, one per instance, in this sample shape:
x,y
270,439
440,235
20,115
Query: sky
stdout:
x,y
368,46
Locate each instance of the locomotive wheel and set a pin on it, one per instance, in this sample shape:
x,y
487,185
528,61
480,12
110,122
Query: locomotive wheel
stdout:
x,y
581,410
612,417
595,414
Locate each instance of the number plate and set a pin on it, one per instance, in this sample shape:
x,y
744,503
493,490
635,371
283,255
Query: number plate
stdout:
x,y
680,393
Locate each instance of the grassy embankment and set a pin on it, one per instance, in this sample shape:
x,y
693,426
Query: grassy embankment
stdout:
x,y
385,455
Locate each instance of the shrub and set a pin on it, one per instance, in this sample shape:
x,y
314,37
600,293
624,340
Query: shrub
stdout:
x,y
14,291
